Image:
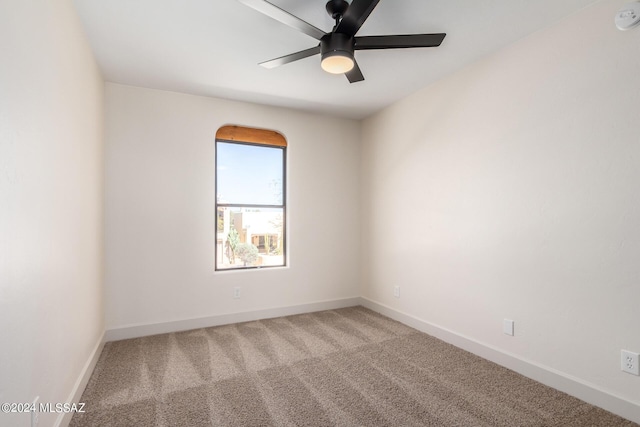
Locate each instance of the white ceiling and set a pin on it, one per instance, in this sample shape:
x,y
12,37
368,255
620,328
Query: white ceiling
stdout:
x,y
212,47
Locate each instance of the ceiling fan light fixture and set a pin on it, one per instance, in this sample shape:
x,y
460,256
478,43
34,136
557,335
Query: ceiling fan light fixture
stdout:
x,y
337,62
336,52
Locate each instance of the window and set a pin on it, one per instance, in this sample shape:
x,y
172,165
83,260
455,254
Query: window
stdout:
x,y
250,198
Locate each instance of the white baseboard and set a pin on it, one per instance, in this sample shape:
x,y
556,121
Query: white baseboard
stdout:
x,y
64,419
573,386
143,330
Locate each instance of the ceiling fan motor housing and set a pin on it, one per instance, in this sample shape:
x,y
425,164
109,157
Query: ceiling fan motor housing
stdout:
x,y
337,44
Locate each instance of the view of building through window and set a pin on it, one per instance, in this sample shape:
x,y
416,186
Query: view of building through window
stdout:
x,y
250,204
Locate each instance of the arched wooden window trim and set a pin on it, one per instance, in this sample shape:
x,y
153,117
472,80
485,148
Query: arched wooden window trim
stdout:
x,y
252,135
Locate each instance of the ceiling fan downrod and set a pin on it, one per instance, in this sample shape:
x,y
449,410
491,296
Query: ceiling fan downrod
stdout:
x,y
336,9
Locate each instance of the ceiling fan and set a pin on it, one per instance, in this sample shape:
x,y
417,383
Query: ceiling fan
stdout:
x,y
337,47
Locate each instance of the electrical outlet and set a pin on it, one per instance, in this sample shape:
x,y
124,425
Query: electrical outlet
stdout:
x,y
507,326
396,291
630,362
236,292
35,413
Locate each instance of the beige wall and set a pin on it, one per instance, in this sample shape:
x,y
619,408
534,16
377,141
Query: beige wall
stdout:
x,y
510,190
160,215
51,133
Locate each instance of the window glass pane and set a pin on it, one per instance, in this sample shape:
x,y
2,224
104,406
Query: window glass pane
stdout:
x,y
250,237
249,174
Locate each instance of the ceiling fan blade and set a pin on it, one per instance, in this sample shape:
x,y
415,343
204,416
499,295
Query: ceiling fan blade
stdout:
x,y
399,41
354,17
291,57
285,17
355,75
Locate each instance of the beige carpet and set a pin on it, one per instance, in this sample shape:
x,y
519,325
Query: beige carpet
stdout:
x,y
348,367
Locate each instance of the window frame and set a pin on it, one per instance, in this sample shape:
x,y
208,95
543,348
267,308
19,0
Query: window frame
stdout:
x,y
233,134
